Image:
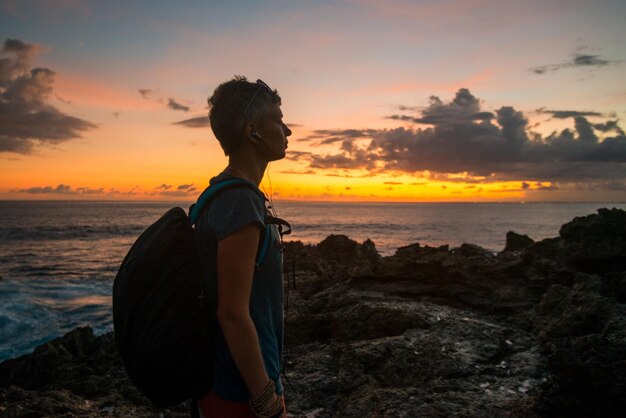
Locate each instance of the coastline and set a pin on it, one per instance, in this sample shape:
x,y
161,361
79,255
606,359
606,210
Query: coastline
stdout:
x,y
535,330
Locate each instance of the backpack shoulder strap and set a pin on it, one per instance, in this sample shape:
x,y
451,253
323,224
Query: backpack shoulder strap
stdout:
x,y
210,192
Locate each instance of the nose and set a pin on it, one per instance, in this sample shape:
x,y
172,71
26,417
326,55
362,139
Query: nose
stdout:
x,y
286,130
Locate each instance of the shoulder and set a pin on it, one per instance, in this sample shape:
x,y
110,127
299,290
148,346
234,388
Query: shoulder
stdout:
x,y
242,189
241,193
235,208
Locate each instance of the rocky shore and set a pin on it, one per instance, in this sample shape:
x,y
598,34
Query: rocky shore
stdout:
x,y
537,330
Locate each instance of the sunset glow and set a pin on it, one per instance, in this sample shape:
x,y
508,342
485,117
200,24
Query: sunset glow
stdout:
x,y
391,101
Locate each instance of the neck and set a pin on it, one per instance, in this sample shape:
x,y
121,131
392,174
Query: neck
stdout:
x,y
249,169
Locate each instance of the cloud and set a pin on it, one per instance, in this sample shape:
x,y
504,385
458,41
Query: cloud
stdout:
x,y
171,103
614,186
26,118
326,136
404,108
578,60
609,126
348,160
182,190
89,190
463,108
541,186
61,189
197,122
298,155
590,60
565,114
458,146
131,192
174,105
186,187
297,172
146,93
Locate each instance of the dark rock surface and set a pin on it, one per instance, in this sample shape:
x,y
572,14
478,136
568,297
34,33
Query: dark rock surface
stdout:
x,y
517,242
538,330
78,375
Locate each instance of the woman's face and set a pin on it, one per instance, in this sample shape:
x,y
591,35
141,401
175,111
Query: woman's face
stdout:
x,y
273,132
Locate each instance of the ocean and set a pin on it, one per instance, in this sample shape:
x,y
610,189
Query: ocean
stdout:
x,y
58,259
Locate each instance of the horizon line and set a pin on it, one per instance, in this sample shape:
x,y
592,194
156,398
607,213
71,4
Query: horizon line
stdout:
x,y
327,201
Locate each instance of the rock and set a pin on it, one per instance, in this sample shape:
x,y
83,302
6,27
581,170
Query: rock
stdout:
x,y
438,370
607,223
583,335
472,250
597,243
75,375
341,257
517,242
415,261
304,256
416,251
614,285
52,361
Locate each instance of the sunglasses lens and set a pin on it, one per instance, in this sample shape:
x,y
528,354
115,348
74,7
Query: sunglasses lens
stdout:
x,y
264,84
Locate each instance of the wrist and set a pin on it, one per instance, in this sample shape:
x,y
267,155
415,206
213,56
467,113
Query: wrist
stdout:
x,y
267,404
262,388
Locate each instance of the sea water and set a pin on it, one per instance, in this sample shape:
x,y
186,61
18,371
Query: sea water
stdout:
x,y
58,259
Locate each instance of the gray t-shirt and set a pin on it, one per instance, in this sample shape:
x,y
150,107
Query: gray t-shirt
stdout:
x,y
230,211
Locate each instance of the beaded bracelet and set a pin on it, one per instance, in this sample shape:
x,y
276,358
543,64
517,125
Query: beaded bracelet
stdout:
x,y
265,395
262,406
271,411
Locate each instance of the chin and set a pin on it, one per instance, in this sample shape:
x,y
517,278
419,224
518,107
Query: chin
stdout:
x,y
279,156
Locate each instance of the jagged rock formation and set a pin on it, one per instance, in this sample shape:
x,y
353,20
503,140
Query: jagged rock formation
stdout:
x,y
517,242
538,330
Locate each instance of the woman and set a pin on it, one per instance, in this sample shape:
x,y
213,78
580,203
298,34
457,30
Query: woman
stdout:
x,y
247,121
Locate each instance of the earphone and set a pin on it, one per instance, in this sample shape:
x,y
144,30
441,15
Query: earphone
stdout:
x,y
258,137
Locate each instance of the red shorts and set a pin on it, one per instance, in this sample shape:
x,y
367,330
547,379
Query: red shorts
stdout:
x,y
215,407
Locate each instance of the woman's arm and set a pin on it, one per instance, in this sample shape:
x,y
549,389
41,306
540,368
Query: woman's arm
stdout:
x,y
235,269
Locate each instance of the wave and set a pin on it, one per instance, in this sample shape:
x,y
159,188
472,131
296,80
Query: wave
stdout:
x,y
37,310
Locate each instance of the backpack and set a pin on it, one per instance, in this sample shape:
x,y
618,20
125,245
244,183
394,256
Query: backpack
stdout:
x,y
164,317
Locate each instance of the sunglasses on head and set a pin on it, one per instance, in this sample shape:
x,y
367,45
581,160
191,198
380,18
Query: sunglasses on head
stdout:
x,y
262,85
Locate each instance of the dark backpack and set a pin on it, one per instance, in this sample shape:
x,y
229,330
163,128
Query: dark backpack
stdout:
x,y
163,317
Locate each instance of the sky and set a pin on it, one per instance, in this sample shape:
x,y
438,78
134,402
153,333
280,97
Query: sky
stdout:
x,y
407,101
